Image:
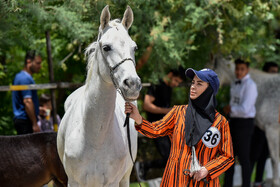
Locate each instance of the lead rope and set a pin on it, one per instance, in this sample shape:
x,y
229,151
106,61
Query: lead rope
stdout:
x,y
126,122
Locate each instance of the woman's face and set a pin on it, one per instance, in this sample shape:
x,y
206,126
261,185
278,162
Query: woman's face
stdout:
x,y
197,87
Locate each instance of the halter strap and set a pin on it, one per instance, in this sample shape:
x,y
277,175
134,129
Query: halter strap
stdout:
x,y
118,64
112,71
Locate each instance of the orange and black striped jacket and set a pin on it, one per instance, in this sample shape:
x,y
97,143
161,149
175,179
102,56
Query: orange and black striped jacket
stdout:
x,y
216,159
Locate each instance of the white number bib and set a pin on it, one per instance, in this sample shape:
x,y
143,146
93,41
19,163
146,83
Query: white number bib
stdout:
x,y
212,137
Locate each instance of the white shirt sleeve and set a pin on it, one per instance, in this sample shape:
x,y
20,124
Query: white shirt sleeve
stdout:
x,y
246,108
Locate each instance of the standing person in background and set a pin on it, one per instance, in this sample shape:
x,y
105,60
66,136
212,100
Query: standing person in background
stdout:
x,y
198,134
242,111
45,118
157,103
259,146
271,67
25,102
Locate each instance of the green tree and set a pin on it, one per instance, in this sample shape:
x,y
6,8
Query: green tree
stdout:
x,y
184,32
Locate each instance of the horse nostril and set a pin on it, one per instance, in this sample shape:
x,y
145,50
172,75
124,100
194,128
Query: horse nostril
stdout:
x,y
132,83
126,82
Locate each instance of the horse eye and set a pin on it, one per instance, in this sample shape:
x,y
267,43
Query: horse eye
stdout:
x,y
107,48
135,48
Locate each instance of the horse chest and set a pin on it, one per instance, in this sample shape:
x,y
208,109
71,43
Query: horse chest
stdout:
x,y
101,166
112,150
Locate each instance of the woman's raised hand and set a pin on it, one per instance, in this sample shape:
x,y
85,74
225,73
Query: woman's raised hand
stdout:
x,y
134,113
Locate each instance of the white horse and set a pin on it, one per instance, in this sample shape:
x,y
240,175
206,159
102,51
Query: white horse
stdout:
x,y
92,142
267,105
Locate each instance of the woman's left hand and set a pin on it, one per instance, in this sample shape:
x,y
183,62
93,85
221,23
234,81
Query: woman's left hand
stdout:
x,y
201,174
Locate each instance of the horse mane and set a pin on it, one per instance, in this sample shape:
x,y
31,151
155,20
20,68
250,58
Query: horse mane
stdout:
x,y
90,55
91,49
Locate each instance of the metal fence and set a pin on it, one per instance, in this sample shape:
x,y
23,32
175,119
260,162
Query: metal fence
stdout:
x,y
60,85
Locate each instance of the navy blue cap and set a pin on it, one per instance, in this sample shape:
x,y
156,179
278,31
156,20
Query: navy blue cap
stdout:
x,y
206,75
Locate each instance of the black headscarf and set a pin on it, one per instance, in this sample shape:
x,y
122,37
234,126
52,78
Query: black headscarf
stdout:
x,y
200,116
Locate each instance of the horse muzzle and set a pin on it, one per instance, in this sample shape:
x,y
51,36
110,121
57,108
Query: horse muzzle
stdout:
x,y
131,88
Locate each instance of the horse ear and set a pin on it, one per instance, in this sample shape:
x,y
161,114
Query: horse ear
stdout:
x,y
127,18
105,17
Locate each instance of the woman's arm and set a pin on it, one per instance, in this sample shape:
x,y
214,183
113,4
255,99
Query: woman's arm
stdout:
x,y
156,129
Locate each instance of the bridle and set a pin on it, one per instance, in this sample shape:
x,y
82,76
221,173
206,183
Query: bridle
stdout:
x,y
118,64
112,71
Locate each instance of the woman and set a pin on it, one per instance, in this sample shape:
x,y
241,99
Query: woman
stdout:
x,y
197,133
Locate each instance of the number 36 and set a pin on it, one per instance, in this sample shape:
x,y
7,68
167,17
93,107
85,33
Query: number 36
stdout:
x,y
211,137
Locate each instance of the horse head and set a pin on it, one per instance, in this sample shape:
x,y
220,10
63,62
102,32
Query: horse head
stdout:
x,y
114,50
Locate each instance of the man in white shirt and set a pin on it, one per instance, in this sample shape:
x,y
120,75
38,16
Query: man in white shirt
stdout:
x,y
242,111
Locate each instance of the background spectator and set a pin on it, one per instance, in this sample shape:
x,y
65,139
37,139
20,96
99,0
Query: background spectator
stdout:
x,y
242,111
271,67
45,118
25,102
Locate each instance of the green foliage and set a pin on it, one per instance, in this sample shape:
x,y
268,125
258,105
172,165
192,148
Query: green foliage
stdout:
x,y
186,33
6,117
223,98
143,184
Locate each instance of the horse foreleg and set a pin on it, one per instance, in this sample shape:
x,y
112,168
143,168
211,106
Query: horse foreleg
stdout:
x,y
272,136
125,180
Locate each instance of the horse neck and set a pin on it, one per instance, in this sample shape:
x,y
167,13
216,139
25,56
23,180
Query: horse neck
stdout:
x,y
100,101
259,76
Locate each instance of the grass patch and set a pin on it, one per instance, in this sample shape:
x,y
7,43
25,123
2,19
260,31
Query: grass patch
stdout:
x,y
135,184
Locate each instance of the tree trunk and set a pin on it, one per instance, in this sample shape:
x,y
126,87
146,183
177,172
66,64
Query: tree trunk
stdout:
x,y
51,77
